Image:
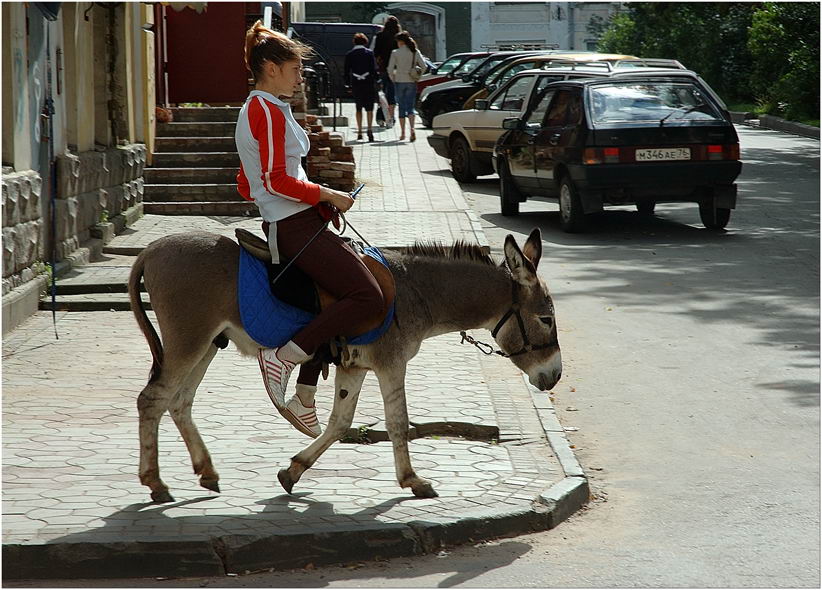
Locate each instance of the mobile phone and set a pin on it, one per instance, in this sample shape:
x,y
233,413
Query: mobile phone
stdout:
x,y
357,191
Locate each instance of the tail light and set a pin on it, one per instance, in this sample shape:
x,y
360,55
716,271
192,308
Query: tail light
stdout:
x,y
609,155
728,151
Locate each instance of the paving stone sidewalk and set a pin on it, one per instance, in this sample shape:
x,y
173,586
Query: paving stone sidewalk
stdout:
x,y
72,502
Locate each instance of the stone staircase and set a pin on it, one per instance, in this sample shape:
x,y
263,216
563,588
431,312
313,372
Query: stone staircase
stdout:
x,y
194,166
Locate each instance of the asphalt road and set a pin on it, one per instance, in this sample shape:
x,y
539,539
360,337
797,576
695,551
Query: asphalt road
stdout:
x,y
692,373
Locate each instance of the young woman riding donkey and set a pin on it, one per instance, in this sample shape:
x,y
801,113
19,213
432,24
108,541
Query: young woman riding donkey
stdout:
x,y
438,290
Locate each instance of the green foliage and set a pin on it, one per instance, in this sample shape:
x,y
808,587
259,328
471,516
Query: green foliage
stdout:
x,y
749,52
784,40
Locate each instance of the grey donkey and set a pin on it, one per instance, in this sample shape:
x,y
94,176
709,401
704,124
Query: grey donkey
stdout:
x,y
191,279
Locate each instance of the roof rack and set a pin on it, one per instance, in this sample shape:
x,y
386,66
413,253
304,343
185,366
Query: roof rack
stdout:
x,y
520,46
649,62
574,64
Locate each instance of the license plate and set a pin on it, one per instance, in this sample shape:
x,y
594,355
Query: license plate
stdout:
x,y
663,154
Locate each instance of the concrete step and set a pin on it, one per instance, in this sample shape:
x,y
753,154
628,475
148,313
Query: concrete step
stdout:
x,y
196,160
190,192
213,129
190,175
93,302
194,144
231,208
201,114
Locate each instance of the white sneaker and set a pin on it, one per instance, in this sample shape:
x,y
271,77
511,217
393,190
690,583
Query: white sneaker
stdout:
x,y
304,419
275,375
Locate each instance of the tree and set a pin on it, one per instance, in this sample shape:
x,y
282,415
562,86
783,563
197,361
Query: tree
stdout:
x,y
784,42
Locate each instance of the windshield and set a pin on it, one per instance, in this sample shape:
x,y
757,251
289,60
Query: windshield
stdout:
x,y
484,68
449,64
662,102
469,65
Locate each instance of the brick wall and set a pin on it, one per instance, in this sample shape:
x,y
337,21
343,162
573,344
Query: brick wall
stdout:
x,y
22,228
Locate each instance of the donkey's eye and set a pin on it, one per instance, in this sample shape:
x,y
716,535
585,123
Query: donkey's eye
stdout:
x,y
548,320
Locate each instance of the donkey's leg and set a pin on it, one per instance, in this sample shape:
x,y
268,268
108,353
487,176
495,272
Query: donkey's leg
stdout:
x,y
347,386
392,388
181,413
153,401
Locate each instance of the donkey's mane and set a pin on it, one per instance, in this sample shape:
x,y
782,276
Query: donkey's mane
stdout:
x,y
459,250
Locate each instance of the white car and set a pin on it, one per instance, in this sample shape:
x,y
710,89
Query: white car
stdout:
x,y
467,137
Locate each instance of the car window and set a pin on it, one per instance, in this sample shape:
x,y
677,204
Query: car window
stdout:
x,y
545,80
541,107
658,101
449,64
513,97
517,93
489,63
504,76
470,64
574,109
558,111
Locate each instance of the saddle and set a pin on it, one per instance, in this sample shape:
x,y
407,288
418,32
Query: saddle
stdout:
x,y
296,288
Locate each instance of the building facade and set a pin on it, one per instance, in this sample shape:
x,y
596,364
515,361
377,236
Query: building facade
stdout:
x,y
574,26
99,58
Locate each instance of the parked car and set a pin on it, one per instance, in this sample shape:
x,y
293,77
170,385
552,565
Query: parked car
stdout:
x,y
453,98
634,138
467,137
469,73
441,72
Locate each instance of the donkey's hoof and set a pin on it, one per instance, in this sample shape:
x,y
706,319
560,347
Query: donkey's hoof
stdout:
x,y
286,480
161,497
211,484
423,489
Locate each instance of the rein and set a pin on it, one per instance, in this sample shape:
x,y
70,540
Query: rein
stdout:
x,y
514,310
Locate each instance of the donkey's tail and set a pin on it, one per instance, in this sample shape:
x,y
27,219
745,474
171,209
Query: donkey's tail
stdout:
x,y
140,315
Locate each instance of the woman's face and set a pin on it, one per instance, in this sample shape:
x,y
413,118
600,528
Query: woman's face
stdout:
x,y
287,76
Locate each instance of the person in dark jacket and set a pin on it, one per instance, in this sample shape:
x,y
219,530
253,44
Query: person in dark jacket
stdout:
x,y
384,43
361,75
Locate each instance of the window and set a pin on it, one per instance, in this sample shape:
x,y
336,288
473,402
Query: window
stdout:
x,y
513,98
558,113
655,101
538,114
515,69
448,65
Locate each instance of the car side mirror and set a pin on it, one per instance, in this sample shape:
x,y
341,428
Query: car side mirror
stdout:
x,y
481,104
512,123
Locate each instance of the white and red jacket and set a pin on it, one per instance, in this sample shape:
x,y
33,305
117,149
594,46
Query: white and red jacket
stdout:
x,y
271,145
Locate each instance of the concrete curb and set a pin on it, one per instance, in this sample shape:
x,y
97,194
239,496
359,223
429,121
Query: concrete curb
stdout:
x,y
775,124
222,554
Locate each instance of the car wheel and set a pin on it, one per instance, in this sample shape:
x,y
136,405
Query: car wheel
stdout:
x,y
571,216
646,207
714,217
461,158
509,194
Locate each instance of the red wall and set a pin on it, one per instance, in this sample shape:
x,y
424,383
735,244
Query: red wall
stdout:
x,y
205,54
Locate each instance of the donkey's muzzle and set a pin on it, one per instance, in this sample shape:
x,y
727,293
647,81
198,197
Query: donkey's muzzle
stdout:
x,y
546,381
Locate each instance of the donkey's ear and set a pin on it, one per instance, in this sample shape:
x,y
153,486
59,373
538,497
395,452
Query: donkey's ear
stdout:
x,y
533,247
523,269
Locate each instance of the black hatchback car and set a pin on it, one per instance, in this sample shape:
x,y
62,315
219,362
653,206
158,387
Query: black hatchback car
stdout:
x,y
638,138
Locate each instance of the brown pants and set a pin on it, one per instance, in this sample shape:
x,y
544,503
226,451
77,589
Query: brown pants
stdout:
x,y
335,267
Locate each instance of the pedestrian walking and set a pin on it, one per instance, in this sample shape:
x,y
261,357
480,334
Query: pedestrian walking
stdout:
x,y
385,42
271,145
361,75
405,67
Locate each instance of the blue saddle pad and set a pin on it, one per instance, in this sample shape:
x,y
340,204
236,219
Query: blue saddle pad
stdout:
x,y
272,322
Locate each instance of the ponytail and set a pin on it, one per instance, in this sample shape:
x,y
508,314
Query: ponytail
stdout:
x,y
261,44
406,38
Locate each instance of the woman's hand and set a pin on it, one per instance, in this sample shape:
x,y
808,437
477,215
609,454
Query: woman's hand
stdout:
x,y
338,199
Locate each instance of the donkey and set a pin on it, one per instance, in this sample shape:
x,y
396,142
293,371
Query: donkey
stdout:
x,y
191,279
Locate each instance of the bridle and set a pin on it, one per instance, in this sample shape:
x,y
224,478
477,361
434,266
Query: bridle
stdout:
x,y
514,310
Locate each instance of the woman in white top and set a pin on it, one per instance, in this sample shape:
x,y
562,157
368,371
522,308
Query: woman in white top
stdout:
x,y
403,59
271,144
